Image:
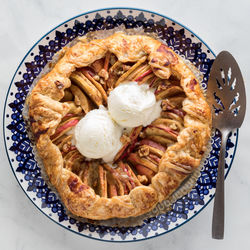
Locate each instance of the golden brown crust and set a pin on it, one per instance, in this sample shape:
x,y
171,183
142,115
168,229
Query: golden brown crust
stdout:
x,y
179,160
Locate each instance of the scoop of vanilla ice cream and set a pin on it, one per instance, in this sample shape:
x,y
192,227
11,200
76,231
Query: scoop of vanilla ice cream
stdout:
x,y
132,105
98,136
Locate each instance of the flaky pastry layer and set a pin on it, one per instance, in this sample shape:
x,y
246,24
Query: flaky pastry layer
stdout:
x,y
179,160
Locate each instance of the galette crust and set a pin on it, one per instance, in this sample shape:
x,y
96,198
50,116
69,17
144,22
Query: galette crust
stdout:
x,y
46,112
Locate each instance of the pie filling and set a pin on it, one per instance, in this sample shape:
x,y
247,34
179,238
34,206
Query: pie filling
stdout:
x,y
138,158
119,123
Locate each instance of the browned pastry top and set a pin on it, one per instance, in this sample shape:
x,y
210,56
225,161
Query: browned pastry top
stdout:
x,y
46,111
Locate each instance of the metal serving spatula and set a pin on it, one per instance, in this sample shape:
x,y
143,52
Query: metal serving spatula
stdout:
x,y
227,98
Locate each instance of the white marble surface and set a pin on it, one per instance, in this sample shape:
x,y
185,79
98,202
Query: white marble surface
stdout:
x,y
224,25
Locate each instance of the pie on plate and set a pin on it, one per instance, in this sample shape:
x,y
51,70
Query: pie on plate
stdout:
x,y
153,160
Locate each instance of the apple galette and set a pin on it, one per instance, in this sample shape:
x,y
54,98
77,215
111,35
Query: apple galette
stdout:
x,y
119,123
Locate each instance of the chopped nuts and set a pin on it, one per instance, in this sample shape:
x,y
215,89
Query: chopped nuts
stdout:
x,y
125,67
173,126
102,81
96,77
104,74
125,138
66,147
142,179
143,151
161,87
119,72
166,105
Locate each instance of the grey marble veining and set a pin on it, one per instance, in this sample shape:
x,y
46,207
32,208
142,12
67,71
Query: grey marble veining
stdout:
x,y
223,25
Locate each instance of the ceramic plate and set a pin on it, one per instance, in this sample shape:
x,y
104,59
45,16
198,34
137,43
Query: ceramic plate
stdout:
x,y
20,152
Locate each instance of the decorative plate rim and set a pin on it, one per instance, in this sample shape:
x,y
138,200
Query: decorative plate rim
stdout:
x,y
4,134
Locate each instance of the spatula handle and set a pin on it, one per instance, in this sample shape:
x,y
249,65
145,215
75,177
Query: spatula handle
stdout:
x,y
218,212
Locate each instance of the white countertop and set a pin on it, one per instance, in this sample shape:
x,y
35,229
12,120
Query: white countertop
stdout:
x,y
223,25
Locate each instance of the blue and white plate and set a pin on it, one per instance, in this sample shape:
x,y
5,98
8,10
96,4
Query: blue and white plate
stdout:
x,y
20,152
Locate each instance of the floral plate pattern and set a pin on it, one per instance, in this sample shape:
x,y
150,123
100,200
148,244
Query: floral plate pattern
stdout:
x,y
19,148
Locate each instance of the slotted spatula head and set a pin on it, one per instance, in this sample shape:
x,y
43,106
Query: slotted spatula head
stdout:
x,y
227,98
226,92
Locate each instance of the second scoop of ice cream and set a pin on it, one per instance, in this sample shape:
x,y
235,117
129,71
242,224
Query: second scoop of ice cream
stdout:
x,y
98,136
132,105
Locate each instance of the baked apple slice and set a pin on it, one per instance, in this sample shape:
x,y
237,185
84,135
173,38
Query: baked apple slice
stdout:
x,y
144,171
64,127
116,177
81,80
171,109
74,109
87,74
129,145
65,144
102,181
136,160
150,150
107,61
173,116
112,189
73,160
97,65
130,178
176,101
144,77
161,130
63,140
139,71
175,126
84,173
154,82
160,139
170,91
125,177
130,72
153,144
80,99
68,96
